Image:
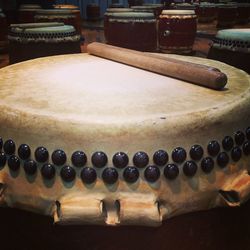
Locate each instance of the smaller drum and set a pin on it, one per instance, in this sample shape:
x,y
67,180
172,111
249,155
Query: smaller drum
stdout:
x,y
27,12
93,12
232,46
206,13
177,31
67,16
131,30
243,10
226,16
29,41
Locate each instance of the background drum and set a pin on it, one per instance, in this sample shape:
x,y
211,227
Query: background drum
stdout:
x,y
135,30
27,12
226,16
176,31
30,41
232,46
206,13
93,12
3,30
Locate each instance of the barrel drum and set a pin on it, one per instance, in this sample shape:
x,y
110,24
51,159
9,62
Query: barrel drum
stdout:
x,y
133,30
29,41
232,46
206,13
176,31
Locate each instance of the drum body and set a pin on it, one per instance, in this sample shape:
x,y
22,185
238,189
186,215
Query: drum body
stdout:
x,y
67,16
93,12
226,16
27,13
243,10
42,39
131,30
206,13
232,46
176,31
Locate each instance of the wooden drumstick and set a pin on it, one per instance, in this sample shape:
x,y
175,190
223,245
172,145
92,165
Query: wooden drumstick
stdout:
x,y
196,73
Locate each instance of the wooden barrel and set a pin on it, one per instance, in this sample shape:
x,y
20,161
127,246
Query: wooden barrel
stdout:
x,y
28,41
176,31
133,30
27,12
232,46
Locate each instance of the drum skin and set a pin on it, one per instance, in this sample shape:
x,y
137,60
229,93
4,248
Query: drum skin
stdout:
x,y
134,111
135,30
177,31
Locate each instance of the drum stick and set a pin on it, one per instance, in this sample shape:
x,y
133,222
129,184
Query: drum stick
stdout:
x,y
195,73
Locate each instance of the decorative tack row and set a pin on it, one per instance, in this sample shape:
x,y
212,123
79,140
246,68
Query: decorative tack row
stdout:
x,y
237,146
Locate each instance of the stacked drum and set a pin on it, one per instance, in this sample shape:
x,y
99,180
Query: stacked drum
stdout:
x,y
133,30
27,12
232,46
176,31
28,41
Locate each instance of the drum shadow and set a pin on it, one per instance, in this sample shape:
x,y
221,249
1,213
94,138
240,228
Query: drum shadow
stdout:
x,y
174,185
68,184
193,182
49,183
155,185
112,187
133,186
89,186
210,177
31,178
14,174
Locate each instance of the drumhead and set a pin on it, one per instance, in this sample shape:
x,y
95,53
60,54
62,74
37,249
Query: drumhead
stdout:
x,y
178,12
132,15
54,12
234,35
112,10
29,7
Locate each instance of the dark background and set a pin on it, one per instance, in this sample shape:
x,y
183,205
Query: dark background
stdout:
x,y
216,229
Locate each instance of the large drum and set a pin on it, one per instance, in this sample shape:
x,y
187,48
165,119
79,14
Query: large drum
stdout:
x,y
124,146
134,30
27,12
226,15
206,12
176,31
67,16
93,12
28,41
232,46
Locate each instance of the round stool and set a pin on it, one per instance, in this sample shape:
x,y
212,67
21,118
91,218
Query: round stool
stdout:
x,y
176,31
27,12
232,46
135,30
28,41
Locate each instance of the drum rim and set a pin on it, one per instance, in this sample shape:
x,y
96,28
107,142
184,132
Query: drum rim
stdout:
x,y
178,12
236,34
132,14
